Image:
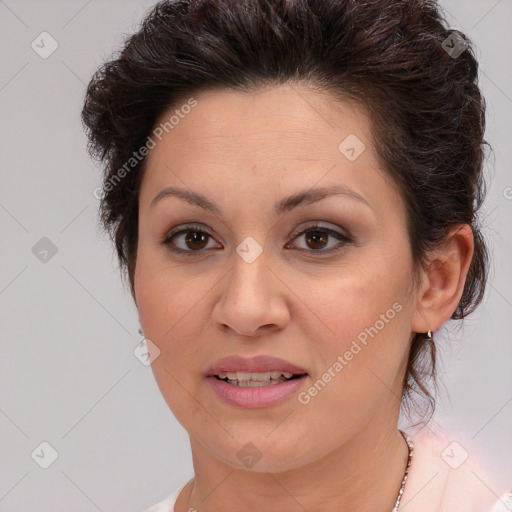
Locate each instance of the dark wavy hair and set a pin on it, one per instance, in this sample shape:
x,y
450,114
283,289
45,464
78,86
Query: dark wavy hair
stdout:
x,y
394,58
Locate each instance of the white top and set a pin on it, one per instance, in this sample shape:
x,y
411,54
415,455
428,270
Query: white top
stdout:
x,y
168,504
443,478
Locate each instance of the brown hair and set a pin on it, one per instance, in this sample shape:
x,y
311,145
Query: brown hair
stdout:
x,y
395,59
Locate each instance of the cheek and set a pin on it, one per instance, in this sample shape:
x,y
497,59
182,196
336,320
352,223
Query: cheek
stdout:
x,y
168,308
172,308
162,301
169,313
368,318
355,301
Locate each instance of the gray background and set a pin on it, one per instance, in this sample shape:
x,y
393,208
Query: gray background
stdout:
x,y
68,375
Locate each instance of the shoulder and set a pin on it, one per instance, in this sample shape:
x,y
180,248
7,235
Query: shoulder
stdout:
x,y
447,475
167,505
504,504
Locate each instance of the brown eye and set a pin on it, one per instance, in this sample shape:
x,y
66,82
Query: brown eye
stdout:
x,y
195,239
189,240
318,237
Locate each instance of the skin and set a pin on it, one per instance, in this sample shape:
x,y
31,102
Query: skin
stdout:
x,y
245,151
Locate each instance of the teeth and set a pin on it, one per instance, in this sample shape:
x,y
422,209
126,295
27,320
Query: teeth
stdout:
x,y
258,377
254,384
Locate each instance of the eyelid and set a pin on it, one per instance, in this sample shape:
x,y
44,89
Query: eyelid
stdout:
x,y
183,228
321,225
342,236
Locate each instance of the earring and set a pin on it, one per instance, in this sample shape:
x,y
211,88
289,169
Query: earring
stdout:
x,y
429,334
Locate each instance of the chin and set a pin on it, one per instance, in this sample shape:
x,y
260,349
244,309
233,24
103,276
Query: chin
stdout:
x,y
260,455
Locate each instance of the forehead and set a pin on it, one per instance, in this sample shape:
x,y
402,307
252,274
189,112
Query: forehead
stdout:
x,y
278,138
287,121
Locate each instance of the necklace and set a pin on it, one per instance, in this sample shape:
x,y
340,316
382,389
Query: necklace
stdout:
x,y
402,487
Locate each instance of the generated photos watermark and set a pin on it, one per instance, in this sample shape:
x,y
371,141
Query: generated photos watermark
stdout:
x,y
361,341
143,151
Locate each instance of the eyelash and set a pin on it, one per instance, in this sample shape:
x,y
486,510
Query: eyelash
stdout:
x,y
315,227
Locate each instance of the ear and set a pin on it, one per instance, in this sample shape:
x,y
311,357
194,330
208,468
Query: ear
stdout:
x,y
442,284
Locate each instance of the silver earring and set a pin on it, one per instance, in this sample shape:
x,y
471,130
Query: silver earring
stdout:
x,y
429,334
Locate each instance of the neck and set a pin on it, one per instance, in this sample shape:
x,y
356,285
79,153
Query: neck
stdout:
x,y
364,474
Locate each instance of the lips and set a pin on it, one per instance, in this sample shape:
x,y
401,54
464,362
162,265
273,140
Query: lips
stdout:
x,y
258,364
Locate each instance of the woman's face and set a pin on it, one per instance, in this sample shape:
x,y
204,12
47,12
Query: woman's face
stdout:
x,y
335,301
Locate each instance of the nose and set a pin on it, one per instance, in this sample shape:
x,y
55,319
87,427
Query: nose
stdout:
x,y
252,299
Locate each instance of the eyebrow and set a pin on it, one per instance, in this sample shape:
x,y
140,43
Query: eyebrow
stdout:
x,y
306,196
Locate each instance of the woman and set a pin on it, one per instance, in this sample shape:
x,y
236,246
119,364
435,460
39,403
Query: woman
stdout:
x,y
293,189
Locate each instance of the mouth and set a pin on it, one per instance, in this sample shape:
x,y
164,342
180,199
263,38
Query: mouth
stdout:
x,y
257,379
